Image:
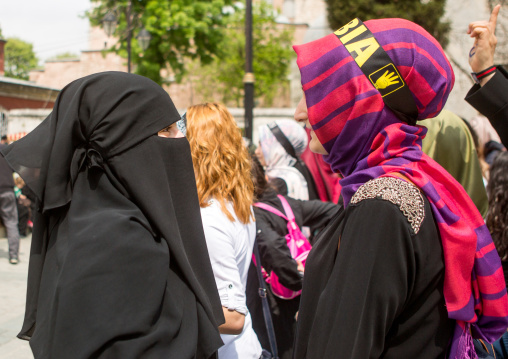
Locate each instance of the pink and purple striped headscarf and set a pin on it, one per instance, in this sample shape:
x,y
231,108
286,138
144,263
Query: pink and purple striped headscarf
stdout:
x,y
366,140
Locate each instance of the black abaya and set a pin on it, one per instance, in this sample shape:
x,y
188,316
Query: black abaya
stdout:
x,y
118,266
378,295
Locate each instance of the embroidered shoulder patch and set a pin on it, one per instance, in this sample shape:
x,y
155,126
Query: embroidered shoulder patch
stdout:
x,y
405,195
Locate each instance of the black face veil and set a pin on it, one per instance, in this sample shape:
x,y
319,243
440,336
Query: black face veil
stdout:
x,y
118,264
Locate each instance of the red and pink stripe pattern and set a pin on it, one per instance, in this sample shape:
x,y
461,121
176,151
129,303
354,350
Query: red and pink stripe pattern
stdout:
x,y
366,140
474,289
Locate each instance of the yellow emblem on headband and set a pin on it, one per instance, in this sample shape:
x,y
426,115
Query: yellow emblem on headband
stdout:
x,y
386,79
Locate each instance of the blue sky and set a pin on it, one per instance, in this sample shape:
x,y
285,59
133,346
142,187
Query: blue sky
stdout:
x,y
52,26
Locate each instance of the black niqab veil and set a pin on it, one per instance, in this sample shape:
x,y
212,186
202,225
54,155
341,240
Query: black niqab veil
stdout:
x,y
118,266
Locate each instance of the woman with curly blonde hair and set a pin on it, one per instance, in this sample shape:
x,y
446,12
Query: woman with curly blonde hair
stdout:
x,y
225,190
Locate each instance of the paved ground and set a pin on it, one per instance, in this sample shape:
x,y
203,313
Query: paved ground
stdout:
x,y
12,301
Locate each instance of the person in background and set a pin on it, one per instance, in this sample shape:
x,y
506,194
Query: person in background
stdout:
x,y
8,208
497,215
492,149
30,196
489,94
479,149
24,206
396,272
4,140
449,143
275,256
497,222
485,134
281,144
118,264
327,182
225,191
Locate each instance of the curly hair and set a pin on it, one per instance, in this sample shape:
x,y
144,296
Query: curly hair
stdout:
x,y
497,215
221,161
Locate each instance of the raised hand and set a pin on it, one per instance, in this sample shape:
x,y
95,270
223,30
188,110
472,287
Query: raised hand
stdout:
x,y
481,55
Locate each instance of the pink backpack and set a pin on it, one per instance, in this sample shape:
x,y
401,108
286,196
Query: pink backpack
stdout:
x,y
298,244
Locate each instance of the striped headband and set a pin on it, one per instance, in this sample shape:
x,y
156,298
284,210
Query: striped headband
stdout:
x,y
378,67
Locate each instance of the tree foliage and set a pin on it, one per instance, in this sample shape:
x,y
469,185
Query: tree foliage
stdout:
x,y
180,30
426,13
272,54
19,58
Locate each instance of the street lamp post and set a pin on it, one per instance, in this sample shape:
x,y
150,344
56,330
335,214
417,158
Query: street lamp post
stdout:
x,y
109,24
248,79
144,38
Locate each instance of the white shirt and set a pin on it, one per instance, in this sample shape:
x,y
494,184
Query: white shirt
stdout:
x,y
230,246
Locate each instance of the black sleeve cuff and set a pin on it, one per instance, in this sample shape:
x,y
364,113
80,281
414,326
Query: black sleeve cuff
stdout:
x,y
491,97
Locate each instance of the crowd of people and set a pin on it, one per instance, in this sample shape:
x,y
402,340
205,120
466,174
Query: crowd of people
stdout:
x,y
157,235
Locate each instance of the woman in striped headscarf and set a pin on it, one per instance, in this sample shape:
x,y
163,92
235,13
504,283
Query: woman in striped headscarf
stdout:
x,y
407,269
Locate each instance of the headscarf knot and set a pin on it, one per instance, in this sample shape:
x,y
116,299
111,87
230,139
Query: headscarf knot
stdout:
x,y
93,158
85,156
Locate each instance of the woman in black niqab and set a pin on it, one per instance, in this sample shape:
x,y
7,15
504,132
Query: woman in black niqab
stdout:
x,y
118,266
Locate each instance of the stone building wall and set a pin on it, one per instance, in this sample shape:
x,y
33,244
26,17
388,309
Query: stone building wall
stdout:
x,y
461,13
58,73
25,120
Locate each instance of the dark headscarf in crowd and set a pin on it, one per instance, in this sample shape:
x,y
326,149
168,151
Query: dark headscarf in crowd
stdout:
x,y
118,265
365,140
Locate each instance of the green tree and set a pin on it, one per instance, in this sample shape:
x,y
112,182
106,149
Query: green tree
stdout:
x,y
426,13
19,58
179,29
272,54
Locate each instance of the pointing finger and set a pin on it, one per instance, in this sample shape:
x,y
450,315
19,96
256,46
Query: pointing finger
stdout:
x,y
493,16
